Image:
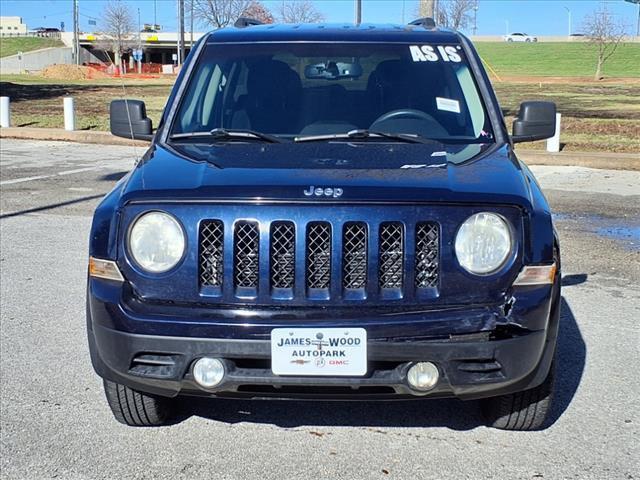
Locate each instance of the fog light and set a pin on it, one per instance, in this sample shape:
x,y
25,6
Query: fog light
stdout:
x,y
208,372
423,376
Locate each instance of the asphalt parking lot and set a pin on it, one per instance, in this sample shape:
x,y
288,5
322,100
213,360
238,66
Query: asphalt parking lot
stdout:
x,y
55,422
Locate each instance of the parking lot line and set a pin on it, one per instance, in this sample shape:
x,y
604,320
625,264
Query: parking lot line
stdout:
x,y
41,177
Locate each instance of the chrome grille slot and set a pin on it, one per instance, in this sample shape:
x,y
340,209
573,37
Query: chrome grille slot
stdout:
x,y
282,255
246,247
354,256
318,253
427,255
211,253
391,256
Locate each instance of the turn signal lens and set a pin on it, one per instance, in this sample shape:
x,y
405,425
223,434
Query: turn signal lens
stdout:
x,y
104,269
536,275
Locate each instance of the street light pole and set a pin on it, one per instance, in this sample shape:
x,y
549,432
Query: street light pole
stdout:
x,y
358,6
569,13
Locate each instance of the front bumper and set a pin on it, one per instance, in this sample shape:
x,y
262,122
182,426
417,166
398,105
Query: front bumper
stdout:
x,y
499,358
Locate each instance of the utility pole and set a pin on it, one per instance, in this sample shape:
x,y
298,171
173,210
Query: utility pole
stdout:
x,y
181,32
76,33
139,62
358,5
155,19
569,13
191,20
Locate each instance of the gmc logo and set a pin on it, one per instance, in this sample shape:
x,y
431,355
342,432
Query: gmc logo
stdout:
x,y
333,192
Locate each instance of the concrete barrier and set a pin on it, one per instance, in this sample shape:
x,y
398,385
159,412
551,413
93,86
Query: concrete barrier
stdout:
x,y
36,60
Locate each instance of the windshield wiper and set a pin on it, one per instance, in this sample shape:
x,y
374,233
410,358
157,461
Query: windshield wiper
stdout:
x,y
224,134
359,134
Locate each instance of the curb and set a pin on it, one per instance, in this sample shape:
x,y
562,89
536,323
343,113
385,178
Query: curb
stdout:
x,y
609,161
78,136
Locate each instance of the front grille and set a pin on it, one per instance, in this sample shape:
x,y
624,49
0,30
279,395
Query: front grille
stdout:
x,y
391,246
283,255
383,261
211,253
427,258
246,247
354,256
318,254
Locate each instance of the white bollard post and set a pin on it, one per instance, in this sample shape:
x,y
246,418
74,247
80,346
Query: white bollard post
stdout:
x,y
5,112
69,114
553,143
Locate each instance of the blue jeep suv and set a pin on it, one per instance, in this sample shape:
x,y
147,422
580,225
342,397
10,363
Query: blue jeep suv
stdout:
x,y
327,212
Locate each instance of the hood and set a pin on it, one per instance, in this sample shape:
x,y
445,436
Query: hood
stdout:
x,y
343,171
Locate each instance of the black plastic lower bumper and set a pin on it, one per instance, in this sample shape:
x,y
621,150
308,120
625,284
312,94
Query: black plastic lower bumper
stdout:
x,y
470,366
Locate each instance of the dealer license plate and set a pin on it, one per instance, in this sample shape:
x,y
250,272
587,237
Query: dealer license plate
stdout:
x,y
319,351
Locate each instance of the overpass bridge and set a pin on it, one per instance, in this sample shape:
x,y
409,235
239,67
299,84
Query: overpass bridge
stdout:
x,y
157,47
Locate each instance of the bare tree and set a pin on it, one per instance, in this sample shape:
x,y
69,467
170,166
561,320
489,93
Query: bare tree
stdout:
x,y
454,14
218,13
605,34
118,26
258,11
299,11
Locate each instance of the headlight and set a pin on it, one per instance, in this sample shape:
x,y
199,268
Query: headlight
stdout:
x,y
156,242
483,243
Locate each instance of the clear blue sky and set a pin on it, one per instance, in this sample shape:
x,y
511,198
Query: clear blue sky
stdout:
x,y
539,17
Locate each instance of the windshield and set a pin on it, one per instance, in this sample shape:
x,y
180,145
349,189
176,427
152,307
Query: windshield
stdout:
x,y
298,90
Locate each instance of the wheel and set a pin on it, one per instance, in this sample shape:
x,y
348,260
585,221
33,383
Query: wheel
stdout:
x,y
137,409
526,410
509,39
528,40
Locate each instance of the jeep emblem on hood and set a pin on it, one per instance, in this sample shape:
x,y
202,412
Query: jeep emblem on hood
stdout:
x,y
334,192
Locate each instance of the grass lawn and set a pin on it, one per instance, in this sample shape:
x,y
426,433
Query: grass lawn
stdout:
x,y
37,101
596,116
13,45
568,59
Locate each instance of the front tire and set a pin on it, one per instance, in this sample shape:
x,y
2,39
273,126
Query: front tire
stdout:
x,y
526,410
137,409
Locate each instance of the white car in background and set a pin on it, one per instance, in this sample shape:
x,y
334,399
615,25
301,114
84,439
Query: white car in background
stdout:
x,y
520,37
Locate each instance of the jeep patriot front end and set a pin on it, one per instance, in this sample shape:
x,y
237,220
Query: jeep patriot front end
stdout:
x,y
327,212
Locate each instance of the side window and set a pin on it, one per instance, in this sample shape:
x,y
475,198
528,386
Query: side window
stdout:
x,y
198,106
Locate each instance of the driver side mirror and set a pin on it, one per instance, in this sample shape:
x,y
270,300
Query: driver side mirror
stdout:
x,y
535,121
128,119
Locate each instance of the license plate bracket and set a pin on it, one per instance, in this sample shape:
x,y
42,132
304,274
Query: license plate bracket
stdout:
x,y
319,351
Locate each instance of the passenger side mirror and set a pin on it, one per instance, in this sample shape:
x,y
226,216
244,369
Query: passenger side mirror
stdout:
x,y
535,121
128,119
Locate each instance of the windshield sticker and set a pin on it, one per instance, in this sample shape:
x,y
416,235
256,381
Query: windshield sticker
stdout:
x,y
428,53
448,105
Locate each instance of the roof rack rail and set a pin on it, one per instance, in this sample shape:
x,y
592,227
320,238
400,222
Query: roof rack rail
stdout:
x,y
243,22
426,22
